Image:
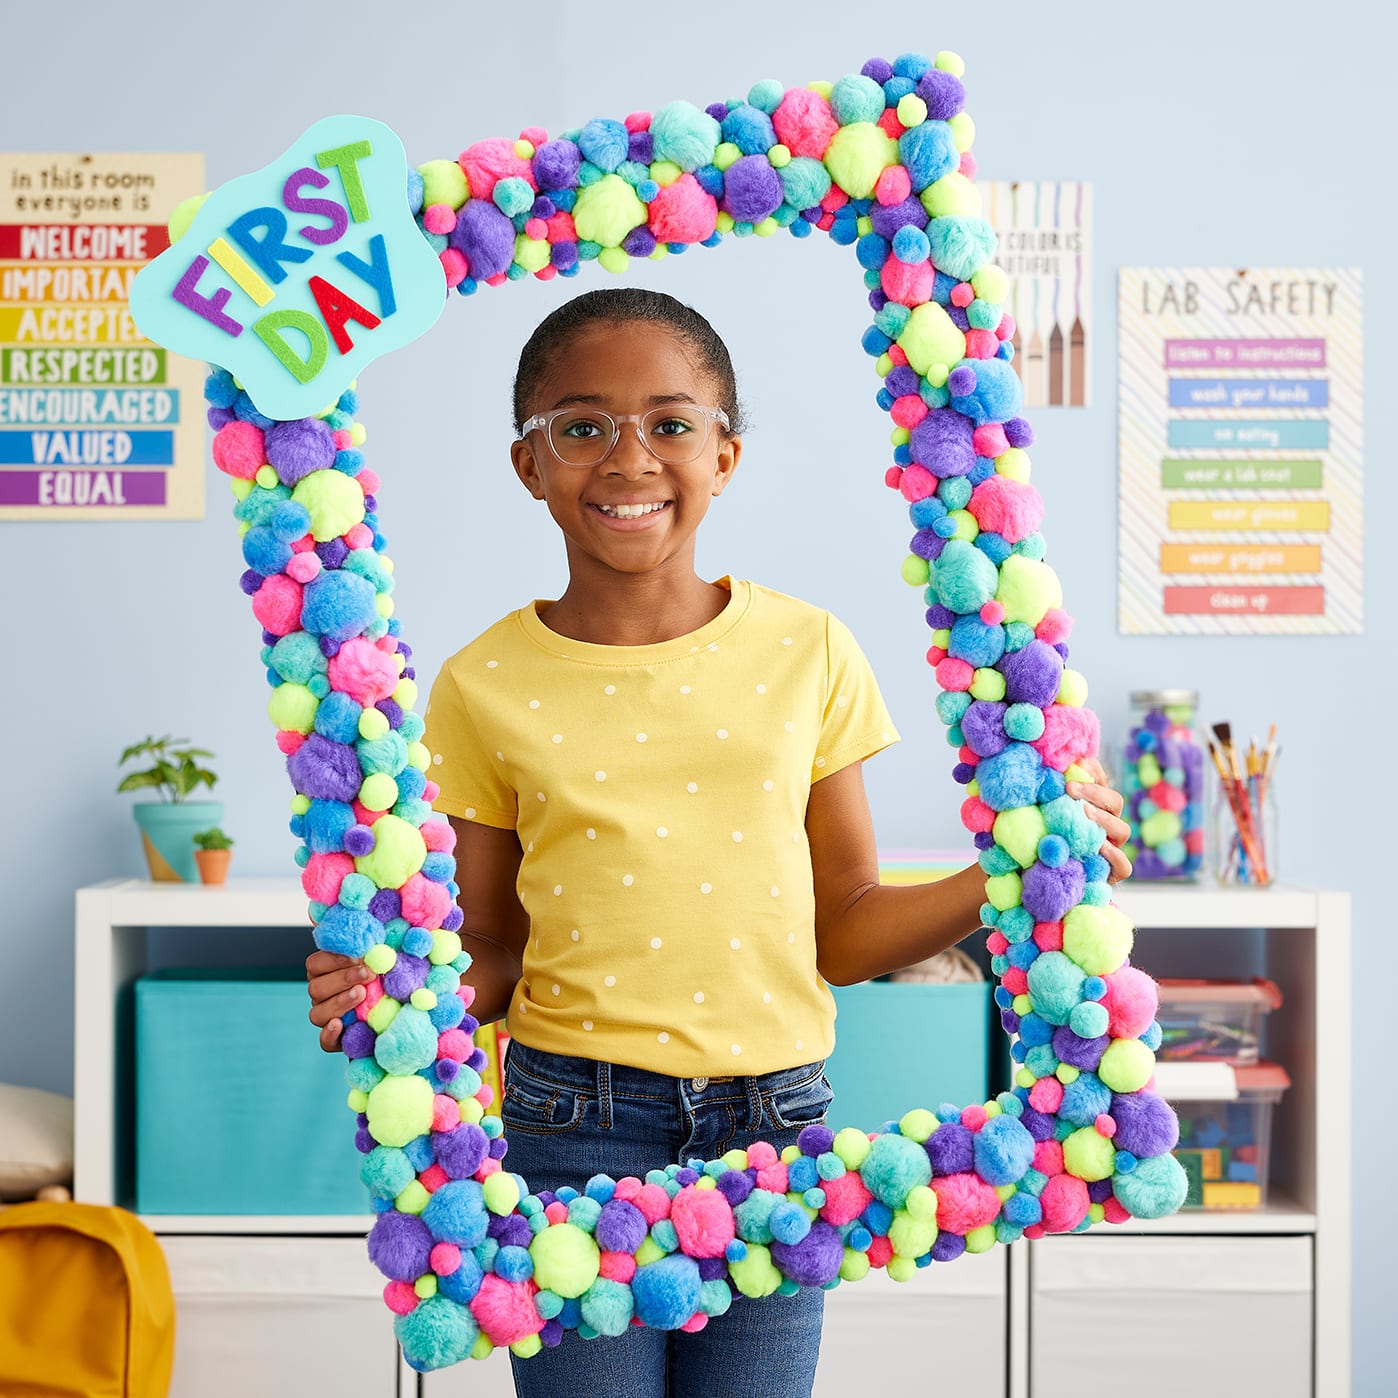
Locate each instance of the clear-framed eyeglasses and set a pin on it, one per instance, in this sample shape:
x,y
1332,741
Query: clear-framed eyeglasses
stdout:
x,y
674,433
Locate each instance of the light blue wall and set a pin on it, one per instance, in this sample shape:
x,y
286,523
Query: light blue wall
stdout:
x,y
1226,133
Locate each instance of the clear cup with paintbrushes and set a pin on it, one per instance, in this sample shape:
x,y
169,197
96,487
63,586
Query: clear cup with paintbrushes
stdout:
x,y
1245,808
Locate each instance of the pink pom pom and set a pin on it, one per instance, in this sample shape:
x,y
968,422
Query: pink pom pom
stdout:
x,y
1046,1095
695,1323
499,279
1069,735
845,1198
762,1154
1106,1126
400,1298
804,123
1048,936
989,439
955,674
364,672
445,1259
439,218
835,198
907,283
997,944
916,483
1131,1001
434,1177
556,1212
1034,1230
342,439
889,124
1048,1157
826,222
561,228
446,1113
1012,508
485,1095
467,995
703,1220
908,411
1114,1211
438,835
289,742
1007,327
363,814
773,1177
897,355
359,536
239,450
323,875
368,481
1065,1203
1056,626
962,294
486,163
935,656
535,135
617,1266
506,1310
490,1165
454,265
454,1044
892,477
373,993
653,1202
537,229
1015,981
546,274
893,186
973,1117
964,1202
967,166
425,904
627,1188
303,567
683,212
277,605
981,344
880,1252
976,816
993,613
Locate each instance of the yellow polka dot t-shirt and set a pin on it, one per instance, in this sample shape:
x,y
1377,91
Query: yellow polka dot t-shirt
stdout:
x,y
659,794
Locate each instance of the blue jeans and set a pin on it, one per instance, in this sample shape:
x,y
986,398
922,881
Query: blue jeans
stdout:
x,y
568,1119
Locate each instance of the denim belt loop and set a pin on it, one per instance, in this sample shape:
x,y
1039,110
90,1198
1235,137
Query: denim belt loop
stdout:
x,y
754,1103
604,1094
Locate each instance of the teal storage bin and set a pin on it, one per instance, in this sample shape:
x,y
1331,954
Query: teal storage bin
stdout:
x,y
238,1111
905,1045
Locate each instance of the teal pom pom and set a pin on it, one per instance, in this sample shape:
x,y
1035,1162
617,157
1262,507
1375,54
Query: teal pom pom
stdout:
x,y
607,1307
1154,1189
684,135
805,182
386,1171
409,1043
895,1164
856,98
1055,986
965,578
961,246
435,1333
766,95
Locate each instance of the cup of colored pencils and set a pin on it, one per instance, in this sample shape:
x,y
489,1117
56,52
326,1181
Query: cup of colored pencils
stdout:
x,y
1245,812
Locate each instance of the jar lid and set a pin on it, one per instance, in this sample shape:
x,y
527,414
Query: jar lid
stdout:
x,y
1166,697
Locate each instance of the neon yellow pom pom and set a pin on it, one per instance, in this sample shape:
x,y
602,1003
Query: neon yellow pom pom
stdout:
x,y
292,708
267,477
357,1099
1126,1066
966,526
963,131
400,1109
901,1269
383,605
981,1239
991,283
1072,689
419,757
426,1285
483,1348
950,62
864,225
240,487
726,154
952,195
405,693
614,259
607,211
443,182
378,792
736,1159
1027,589
916,571
756,1274
665,172
1013,464
706,1182
381,959
397,854
1089,1155
423,999
1096,1212
383,1014
938,374
1005,1192
524,149
973,788
649,1251
357,434
821,88
501,1193
658,253
724,222
900,436
1003,891
921,1202
912,110
1019,832
918,1124
300,804
528,1347
446,947
1023,1077
766,228
183,215
931,338
988,684
910,1236
531,253
779,155
1066,1073
857,155
992,1110
1098,938
854,1266
414,1198
852,1146
333,500
566,1259
372,724
1021,1005
790,1153
471,1111
942,637
883,366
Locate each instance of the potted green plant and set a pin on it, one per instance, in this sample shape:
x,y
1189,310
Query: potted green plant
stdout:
x,y
212,851
168,825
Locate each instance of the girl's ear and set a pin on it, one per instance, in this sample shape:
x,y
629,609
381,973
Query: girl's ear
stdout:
x,y
730,449
526,466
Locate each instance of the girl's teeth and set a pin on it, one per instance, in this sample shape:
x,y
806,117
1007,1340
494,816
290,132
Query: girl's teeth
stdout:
x,y
630,511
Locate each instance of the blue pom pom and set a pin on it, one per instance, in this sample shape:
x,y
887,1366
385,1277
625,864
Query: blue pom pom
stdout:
x,y
910,245
749,129
666,1293
1004,1150
348,931
1011,777
929,152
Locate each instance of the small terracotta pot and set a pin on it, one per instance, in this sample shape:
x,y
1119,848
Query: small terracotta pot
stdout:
x,y
213,864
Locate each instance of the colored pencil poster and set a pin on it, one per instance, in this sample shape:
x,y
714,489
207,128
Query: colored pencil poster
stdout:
x,y
1240,451
95,421
1044,236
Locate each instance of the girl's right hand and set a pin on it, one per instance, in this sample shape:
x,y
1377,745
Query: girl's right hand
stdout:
x,y
335,984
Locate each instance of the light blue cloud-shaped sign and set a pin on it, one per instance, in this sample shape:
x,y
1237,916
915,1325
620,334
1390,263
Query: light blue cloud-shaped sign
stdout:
x,y
296,277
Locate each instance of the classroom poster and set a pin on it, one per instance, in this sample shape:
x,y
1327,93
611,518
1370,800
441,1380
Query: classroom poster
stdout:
x,y
1044,235
95,421
1240,451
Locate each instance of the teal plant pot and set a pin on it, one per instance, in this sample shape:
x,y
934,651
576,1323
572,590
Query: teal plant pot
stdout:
x,y
168,829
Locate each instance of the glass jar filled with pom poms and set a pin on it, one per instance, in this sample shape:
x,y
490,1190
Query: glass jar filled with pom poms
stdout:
x,y
1163,783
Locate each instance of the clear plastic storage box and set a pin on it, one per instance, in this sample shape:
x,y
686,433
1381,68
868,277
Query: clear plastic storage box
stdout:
x,y
1214,1020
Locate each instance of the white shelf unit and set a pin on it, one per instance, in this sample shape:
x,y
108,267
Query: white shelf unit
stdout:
x,y
1301,937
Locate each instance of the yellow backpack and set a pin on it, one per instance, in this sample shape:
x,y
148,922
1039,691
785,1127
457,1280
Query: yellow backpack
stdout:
x,y
86,1309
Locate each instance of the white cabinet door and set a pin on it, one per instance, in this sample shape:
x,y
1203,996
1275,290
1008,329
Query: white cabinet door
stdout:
x,y
943,1331
263,1317
1211,1317
475,1378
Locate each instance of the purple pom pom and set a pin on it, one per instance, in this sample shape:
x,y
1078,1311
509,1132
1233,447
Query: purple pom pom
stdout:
x,y
887,219
1084,1054
1038,1124
556,165
951,1149
963,378
735,1186
1145,1124
358,1040
392,711
983,725
1099,1191
333,552
639,242
485,236
816,1259
902,381
641,147
250,581
1032,674
940,617
399,1245
621,1226
712,1269
942,442
325,770
363,1141
1019,433
943,93
409,973
459,1152
359,841
551,1335
498,1147
301,446
752,189
1048,893
880,69
386,905
816,1140
947,1247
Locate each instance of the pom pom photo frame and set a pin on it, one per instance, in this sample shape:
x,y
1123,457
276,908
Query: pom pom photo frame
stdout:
x,y
880,160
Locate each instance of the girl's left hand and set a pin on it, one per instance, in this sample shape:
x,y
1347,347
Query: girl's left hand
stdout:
x,y
1104,805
